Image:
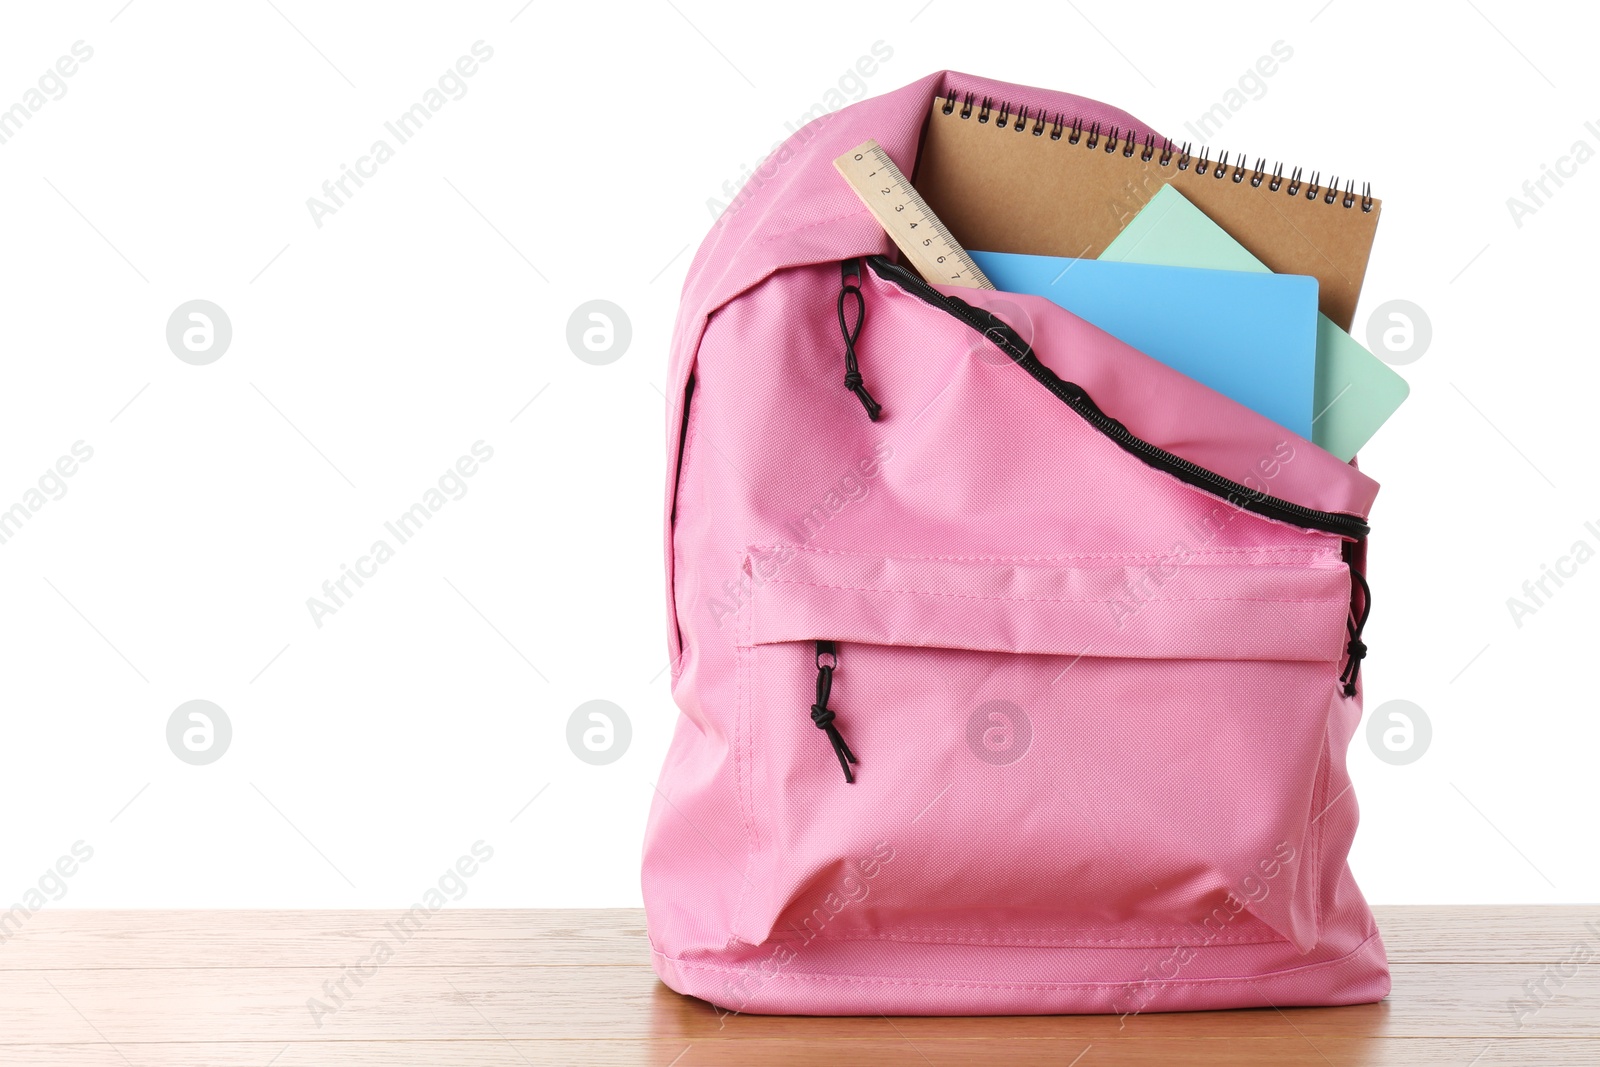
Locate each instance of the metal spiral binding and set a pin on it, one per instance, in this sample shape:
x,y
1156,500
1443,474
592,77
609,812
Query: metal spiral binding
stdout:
x,y
1163,152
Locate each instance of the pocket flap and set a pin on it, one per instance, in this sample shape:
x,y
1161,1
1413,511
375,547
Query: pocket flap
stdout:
x,y
1274,604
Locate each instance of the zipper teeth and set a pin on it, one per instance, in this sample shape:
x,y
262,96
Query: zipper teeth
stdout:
x,y
1076,398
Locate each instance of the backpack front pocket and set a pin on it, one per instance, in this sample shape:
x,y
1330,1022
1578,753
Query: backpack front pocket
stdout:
x,y
1084,750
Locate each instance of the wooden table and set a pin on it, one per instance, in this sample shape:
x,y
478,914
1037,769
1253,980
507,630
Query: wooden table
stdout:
x,y
512,988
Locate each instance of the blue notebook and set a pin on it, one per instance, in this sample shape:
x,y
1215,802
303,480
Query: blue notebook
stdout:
x,y
1251,337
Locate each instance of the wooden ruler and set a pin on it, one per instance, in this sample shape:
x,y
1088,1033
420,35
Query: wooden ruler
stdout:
x,y
905,216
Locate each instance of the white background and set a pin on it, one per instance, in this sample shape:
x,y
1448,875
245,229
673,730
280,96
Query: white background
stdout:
x,y
368,354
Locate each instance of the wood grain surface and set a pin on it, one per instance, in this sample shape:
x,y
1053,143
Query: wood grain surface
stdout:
x,y
491,988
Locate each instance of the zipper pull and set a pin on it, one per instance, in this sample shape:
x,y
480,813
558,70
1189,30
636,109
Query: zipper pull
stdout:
x,y
822,715
1356,650
850,275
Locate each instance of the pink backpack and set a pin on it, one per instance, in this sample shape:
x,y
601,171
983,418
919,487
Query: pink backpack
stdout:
x,y
1017,670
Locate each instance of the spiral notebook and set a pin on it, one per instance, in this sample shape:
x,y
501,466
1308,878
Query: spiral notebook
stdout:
x,y
1009,180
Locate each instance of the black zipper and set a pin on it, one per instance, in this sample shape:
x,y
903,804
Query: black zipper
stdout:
x,y
1007,340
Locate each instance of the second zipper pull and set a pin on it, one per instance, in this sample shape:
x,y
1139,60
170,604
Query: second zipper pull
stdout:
x,y
850,276
822,715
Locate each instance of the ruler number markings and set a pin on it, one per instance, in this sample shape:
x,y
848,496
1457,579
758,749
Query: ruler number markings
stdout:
x,y
924,240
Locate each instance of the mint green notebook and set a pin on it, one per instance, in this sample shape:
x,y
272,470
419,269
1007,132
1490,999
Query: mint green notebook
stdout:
x,y
1355,390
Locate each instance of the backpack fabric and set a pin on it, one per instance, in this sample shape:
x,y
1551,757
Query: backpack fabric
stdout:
x,y
1030,695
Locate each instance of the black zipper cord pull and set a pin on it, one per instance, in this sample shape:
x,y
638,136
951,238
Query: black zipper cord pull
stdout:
x,y
1357,648
822,715
850,271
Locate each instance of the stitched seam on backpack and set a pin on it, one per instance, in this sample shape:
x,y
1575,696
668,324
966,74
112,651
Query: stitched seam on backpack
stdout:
x,y
959,935
743,657
926,983
1319,829
1133,557
1062,600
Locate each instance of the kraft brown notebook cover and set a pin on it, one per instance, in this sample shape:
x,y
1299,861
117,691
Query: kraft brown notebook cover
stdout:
x,y
1007,181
